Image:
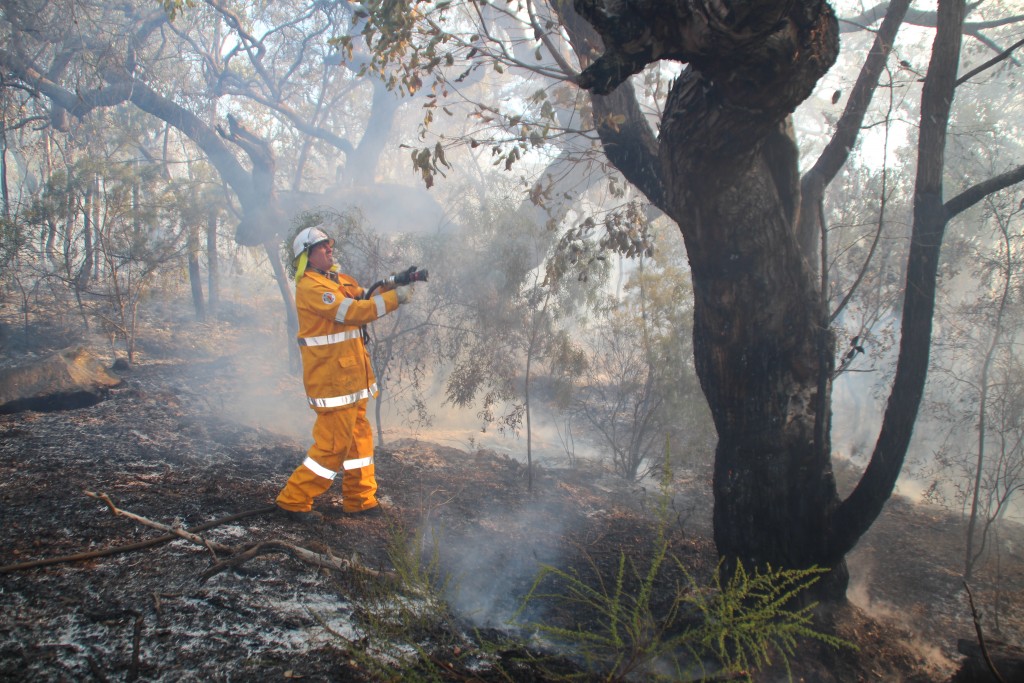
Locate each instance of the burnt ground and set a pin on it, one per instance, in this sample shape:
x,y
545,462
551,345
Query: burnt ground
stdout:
x,y
167,446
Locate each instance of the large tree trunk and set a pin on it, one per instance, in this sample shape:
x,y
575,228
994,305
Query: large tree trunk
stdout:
x,y
761,353
725,169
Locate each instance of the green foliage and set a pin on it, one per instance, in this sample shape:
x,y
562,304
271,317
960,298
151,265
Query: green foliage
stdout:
x,y
12,241
173,7
514,316
400,37
733,627
416,557
440,48
639,384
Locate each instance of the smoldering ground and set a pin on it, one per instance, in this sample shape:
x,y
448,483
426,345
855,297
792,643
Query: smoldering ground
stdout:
x,y
204,426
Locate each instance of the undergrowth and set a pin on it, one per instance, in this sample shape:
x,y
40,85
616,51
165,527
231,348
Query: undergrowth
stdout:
x,y
730,628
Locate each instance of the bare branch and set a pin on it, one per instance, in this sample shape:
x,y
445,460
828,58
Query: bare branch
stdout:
x,y
838,148
177,531
992,62
131,547
975,194
981,636
922,18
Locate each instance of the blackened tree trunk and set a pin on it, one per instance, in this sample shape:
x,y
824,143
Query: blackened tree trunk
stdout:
x,y
725,168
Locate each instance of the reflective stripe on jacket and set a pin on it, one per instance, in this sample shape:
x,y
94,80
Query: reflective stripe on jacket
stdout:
x,y
336,367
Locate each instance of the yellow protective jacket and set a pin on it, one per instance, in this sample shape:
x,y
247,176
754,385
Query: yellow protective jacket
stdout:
x,y
336,367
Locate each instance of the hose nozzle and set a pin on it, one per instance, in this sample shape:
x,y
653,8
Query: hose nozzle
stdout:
x,y
410,274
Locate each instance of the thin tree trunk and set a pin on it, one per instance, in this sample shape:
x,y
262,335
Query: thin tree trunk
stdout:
x,y
291,315
212,262
990,352
531,348
5,193
81,280
87,232
195,277
96,214
50,238
70,221
381,359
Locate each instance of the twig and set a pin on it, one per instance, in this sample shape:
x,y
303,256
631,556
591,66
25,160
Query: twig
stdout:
x,y
131,547
194,538
239,556
213,553
133,670
327,561
97,672
981,637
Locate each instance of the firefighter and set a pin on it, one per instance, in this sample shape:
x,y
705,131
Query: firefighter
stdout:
x,y
338,379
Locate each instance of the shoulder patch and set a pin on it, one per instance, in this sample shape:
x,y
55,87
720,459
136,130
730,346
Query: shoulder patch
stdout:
x,y
329,298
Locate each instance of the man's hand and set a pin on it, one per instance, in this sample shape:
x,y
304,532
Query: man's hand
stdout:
x,y
404,293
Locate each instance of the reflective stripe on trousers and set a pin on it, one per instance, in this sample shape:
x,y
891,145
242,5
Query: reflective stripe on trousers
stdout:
x,y
342,439
340,401
322,471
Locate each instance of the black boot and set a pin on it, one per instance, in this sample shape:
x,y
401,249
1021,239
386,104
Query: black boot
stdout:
x,y
309,517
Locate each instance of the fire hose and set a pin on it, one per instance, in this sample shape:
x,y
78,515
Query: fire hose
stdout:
x,y
407,276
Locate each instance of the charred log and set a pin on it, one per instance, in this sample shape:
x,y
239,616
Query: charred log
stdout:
x,y
66,380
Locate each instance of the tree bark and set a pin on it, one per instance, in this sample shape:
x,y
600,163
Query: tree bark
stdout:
x,y
724,168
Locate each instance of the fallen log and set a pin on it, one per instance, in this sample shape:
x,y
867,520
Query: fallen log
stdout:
x,y
65,380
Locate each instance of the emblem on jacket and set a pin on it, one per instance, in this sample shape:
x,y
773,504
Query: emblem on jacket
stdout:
x,y
329,298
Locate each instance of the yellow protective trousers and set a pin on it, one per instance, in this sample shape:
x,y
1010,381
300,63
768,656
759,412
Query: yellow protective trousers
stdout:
x,y
342,444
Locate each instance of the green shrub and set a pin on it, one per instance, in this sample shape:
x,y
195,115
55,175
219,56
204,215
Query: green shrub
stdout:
x,y
732,627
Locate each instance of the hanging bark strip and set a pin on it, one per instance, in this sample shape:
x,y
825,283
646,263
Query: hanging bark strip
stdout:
x,y
131,547
239,556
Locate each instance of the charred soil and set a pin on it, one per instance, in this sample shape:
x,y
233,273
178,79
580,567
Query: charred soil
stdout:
x,y
166,447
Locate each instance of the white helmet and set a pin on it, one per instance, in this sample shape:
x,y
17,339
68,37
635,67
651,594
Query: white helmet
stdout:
x,y
307,239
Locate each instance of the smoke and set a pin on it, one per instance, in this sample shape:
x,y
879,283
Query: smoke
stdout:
x,y
551,444
859,593
493,567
